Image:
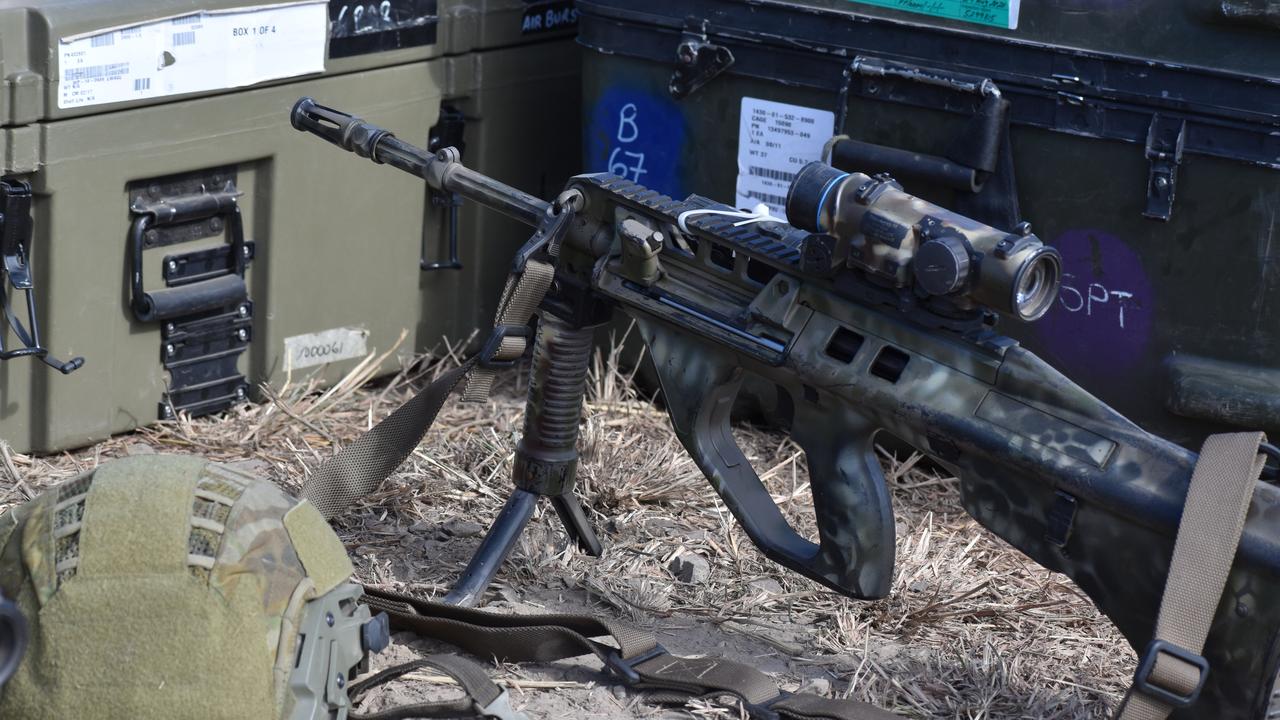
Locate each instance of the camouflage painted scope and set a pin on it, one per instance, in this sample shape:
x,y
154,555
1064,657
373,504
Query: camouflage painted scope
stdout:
x,y
869,223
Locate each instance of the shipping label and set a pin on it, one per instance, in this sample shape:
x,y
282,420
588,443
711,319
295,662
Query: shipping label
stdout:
x,y
301,351
210,50
997,13
775,140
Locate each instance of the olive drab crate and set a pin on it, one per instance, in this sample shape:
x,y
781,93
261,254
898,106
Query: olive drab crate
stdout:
x,y
1140,138
186,244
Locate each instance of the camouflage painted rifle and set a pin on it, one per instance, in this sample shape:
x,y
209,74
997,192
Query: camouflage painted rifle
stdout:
x,y
870,314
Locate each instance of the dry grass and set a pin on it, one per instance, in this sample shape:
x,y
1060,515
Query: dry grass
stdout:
x,y
972,629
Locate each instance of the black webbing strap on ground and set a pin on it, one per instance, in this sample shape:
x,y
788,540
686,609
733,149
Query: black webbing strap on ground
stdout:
x,y
638,660
482,699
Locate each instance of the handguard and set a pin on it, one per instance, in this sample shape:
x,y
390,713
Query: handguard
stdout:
x,y
855,552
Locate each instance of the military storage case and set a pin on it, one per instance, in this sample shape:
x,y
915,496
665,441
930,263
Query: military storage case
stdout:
x,y
1140,138
188,244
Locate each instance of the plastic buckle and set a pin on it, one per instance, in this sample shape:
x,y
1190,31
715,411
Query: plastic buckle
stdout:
x,y
625,668
1142,678
375,635
500,709
491,347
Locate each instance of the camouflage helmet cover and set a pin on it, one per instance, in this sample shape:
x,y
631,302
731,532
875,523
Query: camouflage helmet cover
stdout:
x,y
170,586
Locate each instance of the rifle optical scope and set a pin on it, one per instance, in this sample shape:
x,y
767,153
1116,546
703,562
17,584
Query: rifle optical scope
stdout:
x,y
869,223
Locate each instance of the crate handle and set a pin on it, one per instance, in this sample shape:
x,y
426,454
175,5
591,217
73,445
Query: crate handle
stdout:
x,y
218,292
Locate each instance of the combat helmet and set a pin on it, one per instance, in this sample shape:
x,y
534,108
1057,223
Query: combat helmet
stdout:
x,y
170,586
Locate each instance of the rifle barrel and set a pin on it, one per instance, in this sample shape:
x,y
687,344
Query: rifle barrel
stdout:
x,y
441,170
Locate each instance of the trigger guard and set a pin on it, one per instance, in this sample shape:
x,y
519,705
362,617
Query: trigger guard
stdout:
x,y
700,382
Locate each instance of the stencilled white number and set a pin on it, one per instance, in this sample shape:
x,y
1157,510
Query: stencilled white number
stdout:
x,y
1092,298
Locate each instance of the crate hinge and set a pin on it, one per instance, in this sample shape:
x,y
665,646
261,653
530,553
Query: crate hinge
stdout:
x,y
698,61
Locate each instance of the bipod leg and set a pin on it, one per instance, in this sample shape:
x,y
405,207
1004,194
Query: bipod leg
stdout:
x,y
576,524
494,549
546,461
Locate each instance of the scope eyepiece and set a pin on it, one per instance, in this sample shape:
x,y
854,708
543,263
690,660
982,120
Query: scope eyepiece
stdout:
x,y
871,224
809,194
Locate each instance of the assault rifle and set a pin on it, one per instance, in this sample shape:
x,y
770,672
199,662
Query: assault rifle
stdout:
x,y
872,311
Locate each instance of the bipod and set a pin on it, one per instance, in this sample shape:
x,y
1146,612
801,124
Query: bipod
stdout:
x,y
546,459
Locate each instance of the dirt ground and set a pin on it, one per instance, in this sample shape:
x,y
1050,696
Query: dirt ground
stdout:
x,y
971,630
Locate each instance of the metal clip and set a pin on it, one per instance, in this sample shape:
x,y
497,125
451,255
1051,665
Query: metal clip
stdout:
x,y
624,668
449,131
500,709
1165,138
546,238
488,357
15,250
698,61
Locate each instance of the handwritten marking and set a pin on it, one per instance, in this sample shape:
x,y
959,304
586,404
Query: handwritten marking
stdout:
x,y
1074,301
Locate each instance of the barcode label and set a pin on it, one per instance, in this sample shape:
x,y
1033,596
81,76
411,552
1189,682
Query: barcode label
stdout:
x,y
772,174
767,198
96,72
195,52
775,140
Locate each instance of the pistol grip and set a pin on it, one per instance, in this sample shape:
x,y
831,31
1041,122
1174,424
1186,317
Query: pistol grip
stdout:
x,y
854,554
850,497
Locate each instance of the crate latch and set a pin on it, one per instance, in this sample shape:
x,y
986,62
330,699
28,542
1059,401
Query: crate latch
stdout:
x,y
1165,138
449,131
15,249
698,61
204,309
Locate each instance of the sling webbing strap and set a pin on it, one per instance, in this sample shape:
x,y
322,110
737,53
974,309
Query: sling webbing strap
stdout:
x,y
361,467
521,297
481,699
637,659
1172,671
